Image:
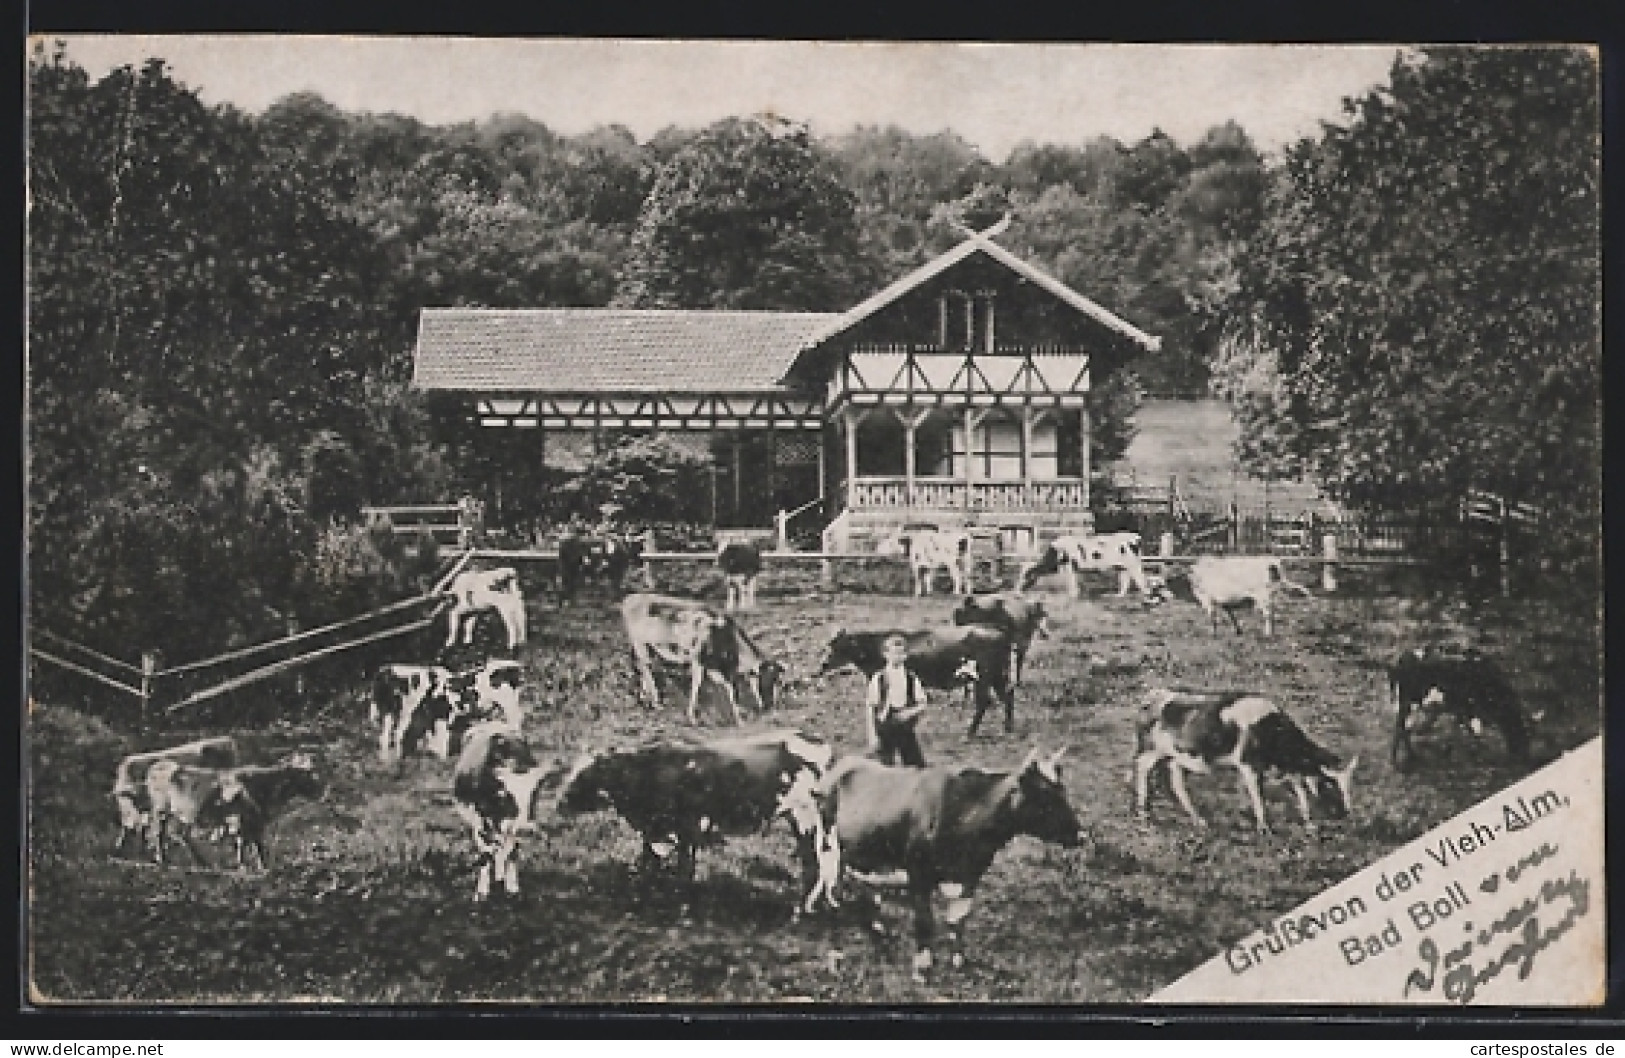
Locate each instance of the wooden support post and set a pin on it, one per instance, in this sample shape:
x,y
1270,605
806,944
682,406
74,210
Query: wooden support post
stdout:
x,y
1235,528
1026,442
852,417
1328,569
1165,546
781,523
989,345
826,574
1085,427
149,667
907,419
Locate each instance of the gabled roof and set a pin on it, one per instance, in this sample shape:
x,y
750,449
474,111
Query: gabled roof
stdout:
x,y
980,243
610,350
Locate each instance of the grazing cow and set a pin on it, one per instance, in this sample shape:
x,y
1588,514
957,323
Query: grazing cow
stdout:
x,y
431,706
943,658
929,550
741,564
608,558
683,795
941,826
685,632
499,789
1424,685
1227,582
477,591
1018,617
130,781
242,801
1087,551
1196,730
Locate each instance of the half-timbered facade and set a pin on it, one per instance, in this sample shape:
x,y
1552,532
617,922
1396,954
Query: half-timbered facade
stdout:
x,y
958,395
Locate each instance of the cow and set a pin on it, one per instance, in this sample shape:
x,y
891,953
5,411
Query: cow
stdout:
x,y
1226,582
501,791
940,826
476,591
130,781
684,795
741,564
1018,617
607,557
241,800
431,706
929,550
685,632
1424,685
1198,730
943,658
1088,551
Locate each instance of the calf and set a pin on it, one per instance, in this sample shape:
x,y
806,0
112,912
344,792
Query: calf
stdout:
x,y
130,781
741,564
685,795
929,550
1424,685
242,801
943,658
685,632
1225,583
431,706
501,792
1087,551
1196,730
1018,617
476,591
398,693
941,826
608,557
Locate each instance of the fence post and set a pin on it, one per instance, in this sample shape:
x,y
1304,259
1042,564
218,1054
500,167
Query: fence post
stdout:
x,y
298,674
1165,546
826,574
1506,551
149,667
1235,528
1328,569
781,523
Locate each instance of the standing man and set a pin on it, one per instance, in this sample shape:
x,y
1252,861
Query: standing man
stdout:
x,y
895,703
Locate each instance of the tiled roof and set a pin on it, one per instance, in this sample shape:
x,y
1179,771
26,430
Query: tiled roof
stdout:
x,y
609,350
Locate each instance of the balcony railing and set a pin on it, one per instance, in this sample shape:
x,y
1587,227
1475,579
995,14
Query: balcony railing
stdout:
x,y
896,494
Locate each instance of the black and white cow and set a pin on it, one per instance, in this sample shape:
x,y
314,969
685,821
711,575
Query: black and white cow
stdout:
x,y
488,590
502,792
607,557
712,645
1425,684
741,564
1199,730
431,707
1081,552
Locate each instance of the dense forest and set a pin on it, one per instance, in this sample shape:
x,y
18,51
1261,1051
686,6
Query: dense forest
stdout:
x,y
222,305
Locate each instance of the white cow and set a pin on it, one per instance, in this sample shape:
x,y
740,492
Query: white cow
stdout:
x,y
1089,551
929,550
1226,582
475,591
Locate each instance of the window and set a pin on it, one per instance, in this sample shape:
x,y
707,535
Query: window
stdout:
x,y
938,451
880,445
1069,443
1043,461
998,448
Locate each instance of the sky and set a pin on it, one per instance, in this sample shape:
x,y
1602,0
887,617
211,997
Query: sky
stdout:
x,y
993,95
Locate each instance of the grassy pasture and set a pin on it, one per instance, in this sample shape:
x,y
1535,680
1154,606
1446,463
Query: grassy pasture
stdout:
x,y
368,898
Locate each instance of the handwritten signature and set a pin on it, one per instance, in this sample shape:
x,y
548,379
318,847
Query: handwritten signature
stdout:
x,y
1461,980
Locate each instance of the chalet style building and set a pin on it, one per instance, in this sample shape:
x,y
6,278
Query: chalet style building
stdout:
x,y
956,396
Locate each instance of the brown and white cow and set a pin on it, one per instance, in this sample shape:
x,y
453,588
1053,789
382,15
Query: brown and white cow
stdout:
x,y
501,791
130,781
929,550
1081,552
1197,731
712,645
1016,615
431,706
477,591
243,801
1226,582
941,827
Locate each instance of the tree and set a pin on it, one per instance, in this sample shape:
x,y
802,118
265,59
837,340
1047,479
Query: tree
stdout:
x,y
1420,310
750,215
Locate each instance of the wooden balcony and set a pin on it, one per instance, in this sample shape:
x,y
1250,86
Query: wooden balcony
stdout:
x,y
896,494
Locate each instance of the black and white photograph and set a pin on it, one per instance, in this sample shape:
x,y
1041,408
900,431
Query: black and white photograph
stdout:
x,y
563,521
